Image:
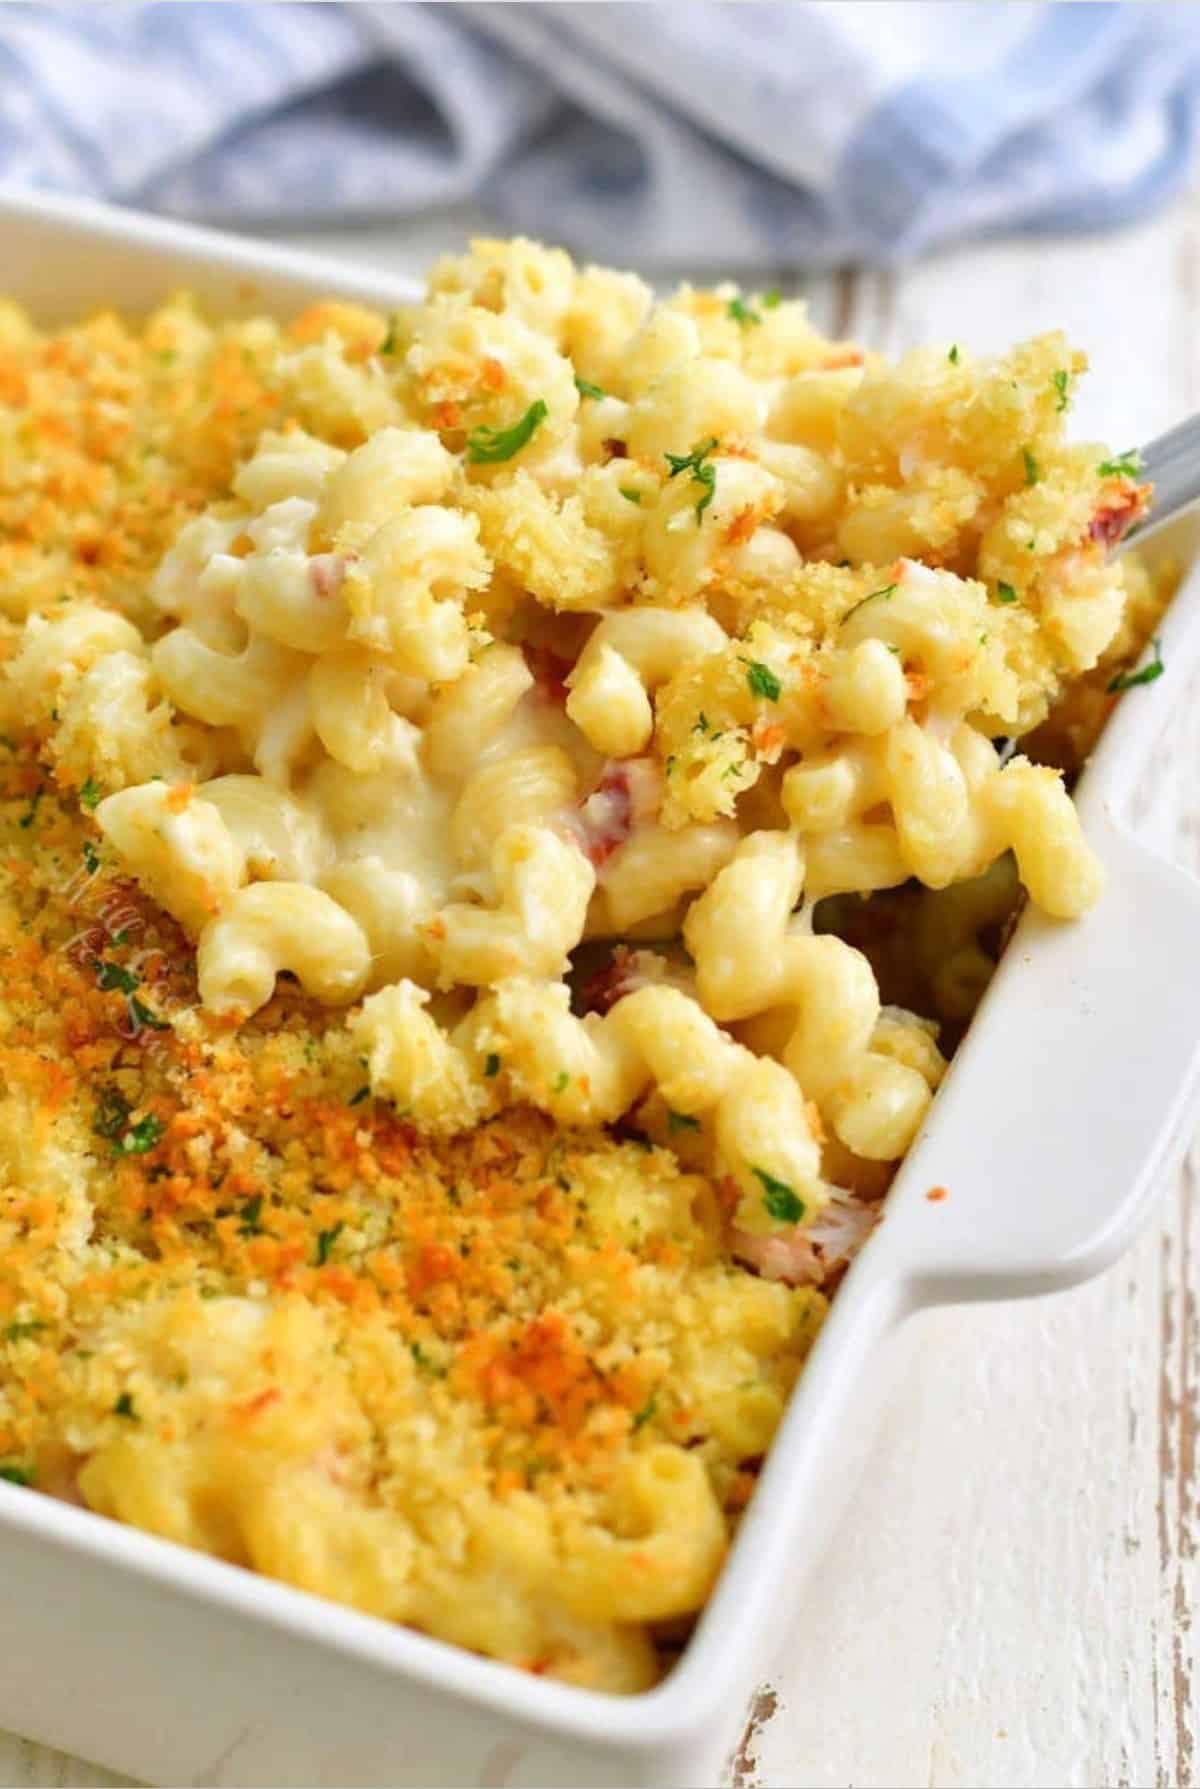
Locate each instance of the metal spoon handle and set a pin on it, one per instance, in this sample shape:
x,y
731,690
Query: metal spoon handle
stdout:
x,y
1172,463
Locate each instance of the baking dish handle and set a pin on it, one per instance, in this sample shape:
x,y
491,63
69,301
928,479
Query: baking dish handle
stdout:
x,y
1050,1136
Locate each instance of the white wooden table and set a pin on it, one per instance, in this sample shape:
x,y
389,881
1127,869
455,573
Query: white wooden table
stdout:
x,y
1009,1598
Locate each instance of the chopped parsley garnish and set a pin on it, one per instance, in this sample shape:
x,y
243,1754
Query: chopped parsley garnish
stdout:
x,y
27,819
1127,680
629,494
391,340
325,1242
882,594
741,312
90,794
560,1081
1126,465
487,447
491,1067
124,1407
111,978
357,1099
18,1332
682,1121
91,857
251,1214
586,389
1005,593
642,1416
702,472
112,1115
142,1136
1032,470
762,680
17,1475
145,1016
1062,385
781,1202
952,357
772,300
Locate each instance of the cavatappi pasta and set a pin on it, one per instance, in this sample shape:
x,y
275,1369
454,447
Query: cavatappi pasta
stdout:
x,y
503,804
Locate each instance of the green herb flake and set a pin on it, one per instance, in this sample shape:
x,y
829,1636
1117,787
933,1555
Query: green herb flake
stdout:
x,y
491,1067
586,389
682,1121
642,1416
251,1215
142,1137
763,681
21,1331
561,1081
391,340
742,313
357,1099
1128,680
488,447
325,1242
145,1016
1032,470
17,1475
1061,382
629,494
91,857
883,594
952,357
111,978
124,1407
781,1202
1005,593
91,794
112,1115
772,300
27,819
1126,465
425,1361
697,463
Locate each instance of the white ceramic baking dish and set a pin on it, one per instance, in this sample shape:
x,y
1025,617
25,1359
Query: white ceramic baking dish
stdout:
x,y
1051,1135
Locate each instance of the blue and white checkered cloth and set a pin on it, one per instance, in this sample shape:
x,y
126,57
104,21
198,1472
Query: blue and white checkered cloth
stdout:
x,y
753,135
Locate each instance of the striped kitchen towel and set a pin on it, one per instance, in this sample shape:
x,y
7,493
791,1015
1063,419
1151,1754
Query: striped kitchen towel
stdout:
x,y
757,134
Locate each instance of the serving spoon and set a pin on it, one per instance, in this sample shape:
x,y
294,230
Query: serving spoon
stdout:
x,y
1171,463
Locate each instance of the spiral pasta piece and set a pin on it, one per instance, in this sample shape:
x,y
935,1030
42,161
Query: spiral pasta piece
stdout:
x,y
748,961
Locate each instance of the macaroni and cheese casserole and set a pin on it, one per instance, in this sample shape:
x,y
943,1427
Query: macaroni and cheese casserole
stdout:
x,y
505,807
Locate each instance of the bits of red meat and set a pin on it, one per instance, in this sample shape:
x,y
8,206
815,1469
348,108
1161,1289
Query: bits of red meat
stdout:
x,y
327,572
1117,514
550,673
607,814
